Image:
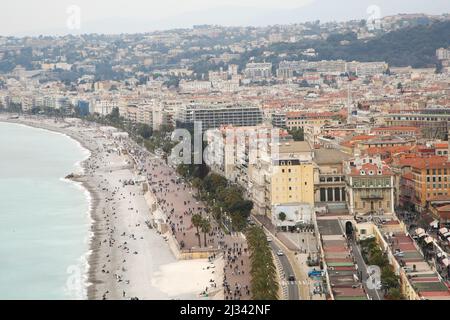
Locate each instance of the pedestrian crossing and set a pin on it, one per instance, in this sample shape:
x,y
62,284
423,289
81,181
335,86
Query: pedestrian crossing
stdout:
x,y
302,283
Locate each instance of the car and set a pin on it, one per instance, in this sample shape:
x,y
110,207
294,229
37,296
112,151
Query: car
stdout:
x,y
280,253
315,273
269,239
291,278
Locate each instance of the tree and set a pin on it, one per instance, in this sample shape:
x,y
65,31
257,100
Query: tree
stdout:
x,y
394,294
297,134
144,130
264,284
197,183
205,226
282,216
197,222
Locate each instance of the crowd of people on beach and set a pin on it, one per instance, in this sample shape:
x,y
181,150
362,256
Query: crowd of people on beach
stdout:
x,y
175,199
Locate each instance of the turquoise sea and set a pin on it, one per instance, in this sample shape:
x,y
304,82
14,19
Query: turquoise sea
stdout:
x,y
44,219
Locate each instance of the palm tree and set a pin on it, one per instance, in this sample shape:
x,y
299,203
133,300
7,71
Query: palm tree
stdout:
x,y
197,221
263,284
197,183
205,226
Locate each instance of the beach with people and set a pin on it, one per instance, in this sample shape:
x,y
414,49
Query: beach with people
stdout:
x,y
127,258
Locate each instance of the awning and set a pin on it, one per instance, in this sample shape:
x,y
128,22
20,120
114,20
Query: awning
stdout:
x,y
434,223
428,240
422,235
419,231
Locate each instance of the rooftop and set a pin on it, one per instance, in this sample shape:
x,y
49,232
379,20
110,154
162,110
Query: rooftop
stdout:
x,y
329,156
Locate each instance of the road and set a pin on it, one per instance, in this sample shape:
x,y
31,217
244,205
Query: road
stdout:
x,y
293,293
288,270
373,293
362,267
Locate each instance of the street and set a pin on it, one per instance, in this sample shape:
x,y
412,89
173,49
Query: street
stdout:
x,y
288,270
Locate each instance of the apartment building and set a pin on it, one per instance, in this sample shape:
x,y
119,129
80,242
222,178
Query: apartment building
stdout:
x,y
103,107
298,119
432,122
431,176
258,71
370,186
292,177
217,115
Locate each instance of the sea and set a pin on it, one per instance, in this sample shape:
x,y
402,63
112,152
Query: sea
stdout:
x,y
44,218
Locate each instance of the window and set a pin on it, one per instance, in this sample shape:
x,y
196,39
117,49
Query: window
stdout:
x,y
322,195
330,194
337,194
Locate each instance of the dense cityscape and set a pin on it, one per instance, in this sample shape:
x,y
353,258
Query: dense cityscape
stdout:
x,y
306,161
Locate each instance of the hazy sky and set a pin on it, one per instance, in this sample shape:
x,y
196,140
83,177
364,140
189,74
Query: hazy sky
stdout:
x,y
31,17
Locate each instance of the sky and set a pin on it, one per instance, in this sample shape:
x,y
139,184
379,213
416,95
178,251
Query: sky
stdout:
x,y
31,17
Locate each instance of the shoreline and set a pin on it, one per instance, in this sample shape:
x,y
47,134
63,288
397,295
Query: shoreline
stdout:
x,y
92,198
160,263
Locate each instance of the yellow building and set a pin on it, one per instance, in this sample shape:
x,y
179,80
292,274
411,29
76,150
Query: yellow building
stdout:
x,y
292,174
292,181
285,177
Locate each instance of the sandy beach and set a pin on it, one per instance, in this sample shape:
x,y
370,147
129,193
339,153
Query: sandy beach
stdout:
x,y
127,259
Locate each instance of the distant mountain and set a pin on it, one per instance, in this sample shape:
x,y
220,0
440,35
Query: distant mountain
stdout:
x,y
323,10
415,46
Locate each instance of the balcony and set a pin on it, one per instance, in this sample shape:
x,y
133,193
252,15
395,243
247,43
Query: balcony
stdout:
x,y
372,197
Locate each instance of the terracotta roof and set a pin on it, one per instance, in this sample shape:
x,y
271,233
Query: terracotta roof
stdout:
x,y
396,128
385,170
433,162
